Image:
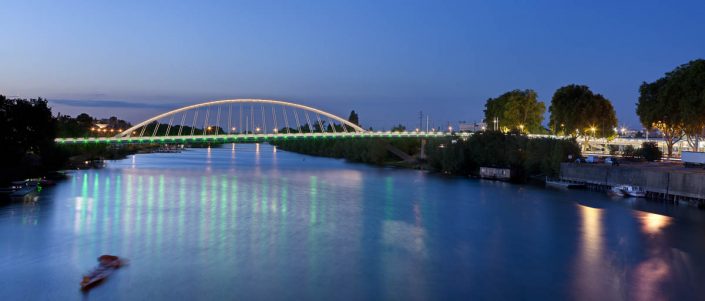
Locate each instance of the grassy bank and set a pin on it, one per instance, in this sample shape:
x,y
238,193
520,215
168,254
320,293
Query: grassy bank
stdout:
x,y
364,150
525,157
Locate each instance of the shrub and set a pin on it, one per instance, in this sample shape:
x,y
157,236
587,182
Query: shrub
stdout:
x,y
650,151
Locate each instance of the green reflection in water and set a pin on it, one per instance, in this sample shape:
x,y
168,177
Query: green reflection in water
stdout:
x,y
116,206
314,199
129,211
223,210
213,210
84,203
265,207
105,218
285,197
94,202
313,250
149,224
233,212
138,205
182,208
160,213
388,198
202,220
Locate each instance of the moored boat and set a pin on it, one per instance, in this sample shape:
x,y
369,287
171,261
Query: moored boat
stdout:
x,y
107,264
633,191
563,184
615,191
627,190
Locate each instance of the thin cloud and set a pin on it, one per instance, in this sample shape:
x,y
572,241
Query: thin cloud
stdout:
x,y
114,104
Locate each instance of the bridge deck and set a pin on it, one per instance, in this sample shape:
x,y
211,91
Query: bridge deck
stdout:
x,y
251,137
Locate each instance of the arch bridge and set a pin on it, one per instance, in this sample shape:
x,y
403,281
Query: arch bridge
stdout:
x,y
242,120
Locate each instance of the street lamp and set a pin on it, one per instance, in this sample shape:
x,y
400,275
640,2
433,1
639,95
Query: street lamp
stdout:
x,y
592,129
257,129
450,129
521,128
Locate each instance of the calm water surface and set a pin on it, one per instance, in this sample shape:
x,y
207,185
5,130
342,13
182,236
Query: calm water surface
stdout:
x,y
252,223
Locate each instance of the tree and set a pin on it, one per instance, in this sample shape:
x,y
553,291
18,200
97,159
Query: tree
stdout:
x,y
354,119
27,129
575,111
85,121
516,110
398,128
675,104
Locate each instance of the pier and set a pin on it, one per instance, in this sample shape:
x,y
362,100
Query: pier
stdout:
x,y
665,181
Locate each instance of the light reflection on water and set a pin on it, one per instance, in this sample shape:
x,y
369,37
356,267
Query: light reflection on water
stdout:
x,y
250,222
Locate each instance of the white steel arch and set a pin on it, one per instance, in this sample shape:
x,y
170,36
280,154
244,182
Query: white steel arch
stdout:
x,y
128,132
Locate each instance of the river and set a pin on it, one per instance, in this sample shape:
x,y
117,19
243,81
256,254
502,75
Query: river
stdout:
x,y
249,222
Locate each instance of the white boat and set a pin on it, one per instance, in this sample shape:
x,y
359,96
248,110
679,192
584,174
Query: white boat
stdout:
x,y
563,184
616,191
633,191
627,190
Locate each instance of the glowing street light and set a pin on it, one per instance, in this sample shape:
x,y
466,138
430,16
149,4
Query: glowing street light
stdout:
x,y
450,128
417,130
521,127
257,129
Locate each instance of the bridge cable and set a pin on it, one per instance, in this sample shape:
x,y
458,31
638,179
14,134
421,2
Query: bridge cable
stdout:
x,y
205,122
181,127
320,124
143,129
310,126
241,118
168,128
252,118
155,129
332,125
230,119
193,125
298,124
345,127
286,120
274,118
217,122
264,120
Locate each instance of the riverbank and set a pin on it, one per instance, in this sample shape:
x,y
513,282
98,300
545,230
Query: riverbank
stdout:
x,y
668,181
525,157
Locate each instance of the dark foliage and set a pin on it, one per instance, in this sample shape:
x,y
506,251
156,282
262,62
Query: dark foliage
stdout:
x,y
650,151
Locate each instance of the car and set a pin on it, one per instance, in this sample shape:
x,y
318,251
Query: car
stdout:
x,y
592,159
612,161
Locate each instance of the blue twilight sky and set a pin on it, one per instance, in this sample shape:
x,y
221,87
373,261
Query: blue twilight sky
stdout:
x,y
385,59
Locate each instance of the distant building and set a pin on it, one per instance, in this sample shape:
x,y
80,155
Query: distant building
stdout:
x,y
471,127
495,173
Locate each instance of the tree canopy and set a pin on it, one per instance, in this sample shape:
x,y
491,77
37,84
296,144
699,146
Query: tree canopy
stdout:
x,y
675,103
516,110
26,127
353,118
576,110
